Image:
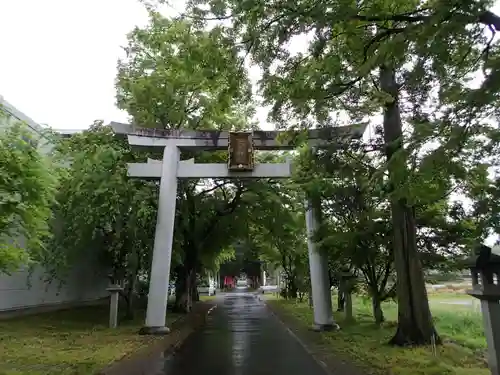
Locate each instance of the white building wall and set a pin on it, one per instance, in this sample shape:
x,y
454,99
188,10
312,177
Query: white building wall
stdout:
x,y
27,288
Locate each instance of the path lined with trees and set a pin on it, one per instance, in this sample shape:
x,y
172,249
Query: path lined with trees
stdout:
x,y
390,213
242,337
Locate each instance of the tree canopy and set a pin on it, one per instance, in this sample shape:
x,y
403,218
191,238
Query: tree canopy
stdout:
x,y
27,192
179,76
412,62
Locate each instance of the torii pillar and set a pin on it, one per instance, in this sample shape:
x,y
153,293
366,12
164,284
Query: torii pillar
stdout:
x,y
318,266
162,250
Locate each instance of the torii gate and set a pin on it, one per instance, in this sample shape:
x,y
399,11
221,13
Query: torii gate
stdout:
x,y
241,147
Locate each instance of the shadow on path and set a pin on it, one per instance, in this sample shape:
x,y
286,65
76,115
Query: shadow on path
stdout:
x,y
242,337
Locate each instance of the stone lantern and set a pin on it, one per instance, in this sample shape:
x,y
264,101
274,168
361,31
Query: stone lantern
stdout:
x,y
347,282
485,272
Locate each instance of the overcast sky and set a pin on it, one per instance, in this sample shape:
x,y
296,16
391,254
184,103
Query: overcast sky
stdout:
x,y
58,59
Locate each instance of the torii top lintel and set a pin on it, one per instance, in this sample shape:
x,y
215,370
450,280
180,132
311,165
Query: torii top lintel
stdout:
x,y
218,140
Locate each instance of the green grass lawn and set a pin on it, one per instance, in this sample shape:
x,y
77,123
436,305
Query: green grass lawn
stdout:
x,y
207,298
74,342
449,295
364,343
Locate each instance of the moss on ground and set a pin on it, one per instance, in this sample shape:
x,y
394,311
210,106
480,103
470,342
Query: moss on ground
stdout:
x,y
75,342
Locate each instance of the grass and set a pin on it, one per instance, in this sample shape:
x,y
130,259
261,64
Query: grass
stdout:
x,y
75,342
364,344
207,298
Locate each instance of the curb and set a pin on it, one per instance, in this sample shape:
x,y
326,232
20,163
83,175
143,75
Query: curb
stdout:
x,y
331,365
145,360
177,345
298,339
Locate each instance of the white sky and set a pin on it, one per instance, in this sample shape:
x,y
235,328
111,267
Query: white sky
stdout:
x,y
59,58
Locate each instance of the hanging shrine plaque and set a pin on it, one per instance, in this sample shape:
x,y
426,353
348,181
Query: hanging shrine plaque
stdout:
x,y
240,152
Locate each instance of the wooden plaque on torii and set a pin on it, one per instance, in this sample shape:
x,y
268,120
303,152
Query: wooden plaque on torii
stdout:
x,y
240,151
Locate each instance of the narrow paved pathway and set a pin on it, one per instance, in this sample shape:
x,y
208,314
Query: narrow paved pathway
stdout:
x,y
242,338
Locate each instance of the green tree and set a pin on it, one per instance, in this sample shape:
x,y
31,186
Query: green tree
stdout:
x,y
207,223
411,60
101,210
358,227
484,190
179,76
27,190
278,234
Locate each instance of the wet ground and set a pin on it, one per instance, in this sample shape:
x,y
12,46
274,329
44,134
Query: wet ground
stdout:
x,y
242,337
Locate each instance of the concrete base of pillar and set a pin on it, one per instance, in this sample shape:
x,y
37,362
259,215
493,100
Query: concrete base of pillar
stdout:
x,y
325,327
157,331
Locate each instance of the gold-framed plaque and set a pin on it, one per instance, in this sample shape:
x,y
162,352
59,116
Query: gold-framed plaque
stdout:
x,y
240,151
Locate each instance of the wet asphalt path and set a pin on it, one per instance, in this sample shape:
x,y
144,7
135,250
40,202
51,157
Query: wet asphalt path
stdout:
x,y
242,337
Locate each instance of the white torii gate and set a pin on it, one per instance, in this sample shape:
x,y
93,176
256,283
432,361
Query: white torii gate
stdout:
x,y
172,168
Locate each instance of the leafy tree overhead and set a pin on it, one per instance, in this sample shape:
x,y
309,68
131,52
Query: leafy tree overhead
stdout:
x,y
358,229
277,232
207,224
179,76
410,60
27,192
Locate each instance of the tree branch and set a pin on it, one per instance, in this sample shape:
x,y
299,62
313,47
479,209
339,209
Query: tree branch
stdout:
x,y
229,209
217,185
490,19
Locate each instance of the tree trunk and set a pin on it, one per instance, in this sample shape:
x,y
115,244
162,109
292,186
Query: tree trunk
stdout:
x,y
180,291
130,307
195,296
378,313
292,288
183,290
184,294
132,279
349,317
191,284
377,290
340,300
310,297
187,280
415,325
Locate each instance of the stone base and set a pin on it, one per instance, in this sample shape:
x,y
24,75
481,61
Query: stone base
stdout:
x,y
159,331
325,327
